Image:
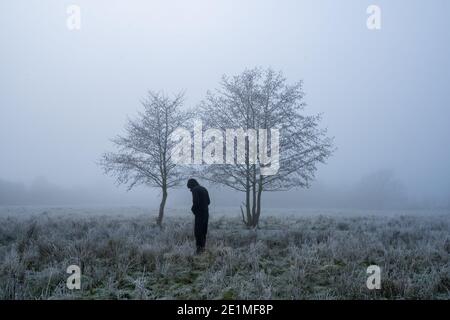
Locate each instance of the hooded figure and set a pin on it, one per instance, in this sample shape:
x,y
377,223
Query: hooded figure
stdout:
x,y
200,202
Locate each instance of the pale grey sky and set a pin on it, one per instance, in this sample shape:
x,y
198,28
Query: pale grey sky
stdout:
x,y
384,94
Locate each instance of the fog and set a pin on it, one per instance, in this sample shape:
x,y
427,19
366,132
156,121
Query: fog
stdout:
x,y
383,93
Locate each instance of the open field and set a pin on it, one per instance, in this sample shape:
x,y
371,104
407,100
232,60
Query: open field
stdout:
x,y
123,255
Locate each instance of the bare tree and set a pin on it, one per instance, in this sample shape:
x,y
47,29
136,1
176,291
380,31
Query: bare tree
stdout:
x,y
261,99
143,155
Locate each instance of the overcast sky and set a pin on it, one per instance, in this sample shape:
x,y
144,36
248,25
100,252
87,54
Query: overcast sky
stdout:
x,y
384,93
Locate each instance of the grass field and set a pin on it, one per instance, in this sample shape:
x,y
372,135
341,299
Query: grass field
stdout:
x,y
123,255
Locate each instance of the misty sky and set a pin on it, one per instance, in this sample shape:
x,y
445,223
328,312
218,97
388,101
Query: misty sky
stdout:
x,y
384,94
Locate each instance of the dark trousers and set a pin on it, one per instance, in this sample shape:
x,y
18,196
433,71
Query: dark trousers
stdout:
x,y
201,229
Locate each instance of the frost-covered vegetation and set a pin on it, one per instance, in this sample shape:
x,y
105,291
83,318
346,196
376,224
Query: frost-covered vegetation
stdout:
x,y
126,256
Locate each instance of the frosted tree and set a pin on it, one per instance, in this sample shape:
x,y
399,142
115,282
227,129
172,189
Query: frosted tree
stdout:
x,y
143,154
261,99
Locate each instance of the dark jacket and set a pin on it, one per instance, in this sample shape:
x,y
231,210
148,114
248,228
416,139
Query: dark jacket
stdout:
x,y
200,200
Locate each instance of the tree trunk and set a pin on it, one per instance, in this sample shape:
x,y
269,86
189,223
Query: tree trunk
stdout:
x,y
254,208
247,207
161,207
247,198
258,203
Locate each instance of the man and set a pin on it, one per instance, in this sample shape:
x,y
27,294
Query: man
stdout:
x,y
200,202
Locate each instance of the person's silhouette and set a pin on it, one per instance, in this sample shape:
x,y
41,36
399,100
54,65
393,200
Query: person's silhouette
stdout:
x,y
200,202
